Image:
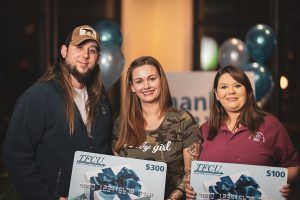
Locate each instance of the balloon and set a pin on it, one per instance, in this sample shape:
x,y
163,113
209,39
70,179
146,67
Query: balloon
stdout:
x,y
111,63
109,31
263,80
266,97
209,53
260,41
233,52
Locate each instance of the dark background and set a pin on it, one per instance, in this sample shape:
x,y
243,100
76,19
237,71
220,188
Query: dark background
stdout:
x,y
31,32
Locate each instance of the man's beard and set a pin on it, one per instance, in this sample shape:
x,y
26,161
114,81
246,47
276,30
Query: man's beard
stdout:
x,y
80,77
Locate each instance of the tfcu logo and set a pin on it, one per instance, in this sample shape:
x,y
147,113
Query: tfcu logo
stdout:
x,y
91,160
210,169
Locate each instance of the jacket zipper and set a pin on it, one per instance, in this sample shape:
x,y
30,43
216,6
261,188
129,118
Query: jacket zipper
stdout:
x,y
57,181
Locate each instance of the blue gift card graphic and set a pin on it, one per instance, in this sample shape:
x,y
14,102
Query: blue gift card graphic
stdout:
x,y
109,184
245,186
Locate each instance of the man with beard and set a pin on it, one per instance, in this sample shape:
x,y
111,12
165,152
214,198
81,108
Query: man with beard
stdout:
x,y
65,111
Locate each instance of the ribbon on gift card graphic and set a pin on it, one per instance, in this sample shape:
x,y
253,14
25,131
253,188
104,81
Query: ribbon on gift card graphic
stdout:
x,y
245,186
108,184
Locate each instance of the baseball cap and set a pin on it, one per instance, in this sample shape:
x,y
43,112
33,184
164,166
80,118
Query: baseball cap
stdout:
x,y
81,34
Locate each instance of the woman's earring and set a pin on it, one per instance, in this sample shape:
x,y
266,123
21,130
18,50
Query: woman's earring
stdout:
x,y
215,91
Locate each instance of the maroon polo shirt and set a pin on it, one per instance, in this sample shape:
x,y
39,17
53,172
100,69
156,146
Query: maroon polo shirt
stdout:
x,y
271,145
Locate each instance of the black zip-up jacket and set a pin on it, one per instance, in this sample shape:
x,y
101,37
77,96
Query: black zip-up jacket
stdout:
x,y
39,150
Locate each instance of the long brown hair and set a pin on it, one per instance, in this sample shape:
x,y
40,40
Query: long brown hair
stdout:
x,y
251,115
132,122
94,87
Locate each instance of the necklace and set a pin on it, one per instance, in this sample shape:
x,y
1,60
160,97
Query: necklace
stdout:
x,y
154,124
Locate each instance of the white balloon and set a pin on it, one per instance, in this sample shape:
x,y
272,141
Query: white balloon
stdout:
x,y
209,53
111,63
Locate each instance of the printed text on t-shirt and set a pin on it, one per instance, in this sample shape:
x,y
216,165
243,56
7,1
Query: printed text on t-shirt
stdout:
x,y
159,147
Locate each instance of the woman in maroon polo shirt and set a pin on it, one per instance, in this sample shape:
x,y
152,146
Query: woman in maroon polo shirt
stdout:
x,y
238,131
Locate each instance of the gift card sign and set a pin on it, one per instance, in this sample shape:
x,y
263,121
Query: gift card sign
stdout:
x,y
215,180
98,176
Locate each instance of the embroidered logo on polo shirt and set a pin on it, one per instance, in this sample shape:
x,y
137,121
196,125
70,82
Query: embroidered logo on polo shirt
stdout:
x,y
258,137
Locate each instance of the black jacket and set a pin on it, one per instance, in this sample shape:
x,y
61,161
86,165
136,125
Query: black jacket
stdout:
x,y
39,150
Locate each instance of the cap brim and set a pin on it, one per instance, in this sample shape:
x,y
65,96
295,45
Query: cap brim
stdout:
x,y
80,40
